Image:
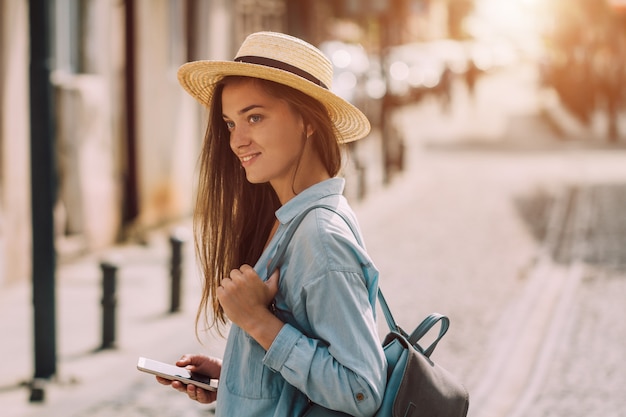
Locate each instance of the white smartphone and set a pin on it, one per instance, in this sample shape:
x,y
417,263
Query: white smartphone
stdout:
x,y
176,373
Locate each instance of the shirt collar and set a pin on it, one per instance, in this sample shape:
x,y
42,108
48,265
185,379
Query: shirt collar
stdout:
x,y
308,197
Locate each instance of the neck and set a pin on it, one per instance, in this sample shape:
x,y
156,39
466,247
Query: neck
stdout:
x,y
309,170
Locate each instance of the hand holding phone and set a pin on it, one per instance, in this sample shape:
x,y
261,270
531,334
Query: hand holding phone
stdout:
x,y
176,373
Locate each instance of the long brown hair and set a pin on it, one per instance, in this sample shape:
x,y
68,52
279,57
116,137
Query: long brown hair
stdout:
x,y
233,217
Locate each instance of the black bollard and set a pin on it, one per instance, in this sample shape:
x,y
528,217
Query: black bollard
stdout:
x,y
109,303
37,390
176,270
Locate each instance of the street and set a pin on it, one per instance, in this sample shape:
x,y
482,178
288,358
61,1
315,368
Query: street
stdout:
x,y
514,232
477,233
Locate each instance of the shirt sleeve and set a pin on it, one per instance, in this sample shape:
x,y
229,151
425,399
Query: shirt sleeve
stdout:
x,y
343,366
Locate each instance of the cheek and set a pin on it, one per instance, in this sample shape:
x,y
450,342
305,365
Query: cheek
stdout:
x,y
293,146
287,139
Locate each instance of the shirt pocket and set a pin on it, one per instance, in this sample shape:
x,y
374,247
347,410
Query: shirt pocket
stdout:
x,y
246,376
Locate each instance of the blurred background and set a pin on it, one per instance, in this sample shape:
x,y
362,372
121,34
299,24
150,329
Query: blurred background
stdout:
x,y
124,134
112,139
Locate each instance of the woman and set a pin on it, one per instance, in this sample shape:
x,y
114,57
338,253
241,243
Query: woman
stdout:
x,y
307,331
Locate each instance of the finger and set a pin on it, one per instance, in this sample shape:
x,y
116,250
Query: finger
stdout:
x,y
248,274
211,367
192,391
272,283
163,381
226,280
184,360
236,273
190,361
179,386
202,364
204,396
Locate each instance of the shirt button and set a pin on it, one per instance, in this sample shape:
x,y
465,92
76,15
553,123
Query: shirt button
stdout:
x,y
360,396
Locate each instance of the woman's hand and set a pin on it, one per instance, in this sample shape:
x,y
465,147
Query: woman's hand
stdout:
x,y
243,294
201,364
245,299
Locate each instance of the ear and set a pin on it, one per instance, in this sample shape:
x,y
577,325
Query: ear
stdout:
x,y
309,131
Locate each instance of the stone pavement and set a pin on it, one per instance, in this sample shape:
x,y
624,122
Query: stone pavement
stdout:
x,y
87,375
449,234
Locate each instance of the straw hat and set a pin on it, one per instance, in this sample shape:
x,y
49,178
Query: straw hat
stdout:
x,y
286,60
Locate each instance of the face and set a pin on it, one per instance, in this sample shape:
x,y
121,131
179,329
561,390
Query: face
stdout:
x,y
266,134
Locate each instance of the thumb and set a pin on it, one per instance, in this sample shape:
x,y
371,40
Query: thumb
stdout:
x,y
272,283
185,360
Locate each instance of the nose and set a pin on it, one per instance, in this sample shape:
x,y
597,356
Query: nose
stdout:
x,y
239,137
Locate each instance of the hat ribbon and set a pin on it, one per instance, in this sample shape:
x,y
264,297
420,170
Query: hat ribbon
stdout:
x,y
273,63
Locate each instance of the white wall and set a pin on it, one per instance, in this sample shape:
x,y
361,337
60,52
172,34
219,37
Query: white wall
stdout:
x,y
163,149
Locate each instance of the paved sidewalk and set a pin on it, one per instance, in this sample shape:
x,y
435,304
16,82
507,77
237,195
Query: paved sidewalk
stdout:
x,y
88,375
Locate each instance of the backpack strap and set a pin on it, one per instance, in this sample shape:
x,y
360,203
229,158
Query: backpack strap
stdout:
x,y
282,248
425,326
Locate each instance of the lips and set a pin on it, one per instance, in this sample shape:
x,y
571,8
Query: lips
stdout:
x,y
247,158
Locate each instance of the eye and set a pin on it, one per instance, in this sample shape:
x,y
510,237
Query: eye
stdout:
x,y
230,125
255,118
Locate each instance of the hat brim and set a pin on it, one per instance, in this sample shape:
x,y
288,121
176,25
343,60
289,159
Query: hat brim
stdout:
x,y
199,79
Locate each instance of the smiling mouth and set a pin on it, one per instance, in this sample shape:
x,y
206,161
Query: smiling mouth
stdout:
x,y
248,157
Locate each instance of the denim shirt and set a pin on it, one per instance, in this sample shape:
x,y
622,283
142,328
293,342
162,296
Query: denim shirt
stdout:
x,y
329,350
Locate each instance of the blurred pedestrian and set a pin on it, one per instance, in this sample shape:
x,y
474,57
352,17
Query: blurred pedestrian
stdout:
x,y
471,76
444,89
305,332
608,67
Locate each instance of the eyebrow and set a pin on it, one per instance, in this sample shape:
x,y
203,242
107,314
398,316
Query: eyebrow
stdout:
x,y
250,107
246,109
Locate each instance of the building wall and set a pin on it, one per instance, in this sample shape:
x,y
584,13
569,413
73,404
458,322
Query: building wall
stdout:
x,y
87,213
257,15
160,47
88,81
15,221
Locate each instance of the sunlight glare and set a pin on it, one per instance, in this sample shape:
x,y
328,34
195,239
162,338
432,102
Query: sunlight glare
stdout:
x,y
515,21
508,15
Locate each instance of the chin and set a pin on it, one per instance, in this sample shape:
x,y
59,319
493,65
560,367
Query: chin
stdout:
x,y
255,180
